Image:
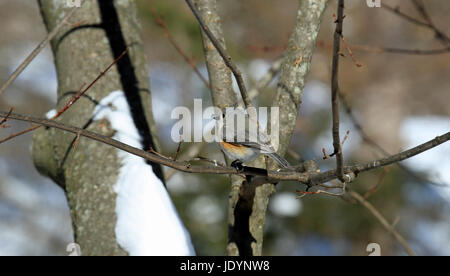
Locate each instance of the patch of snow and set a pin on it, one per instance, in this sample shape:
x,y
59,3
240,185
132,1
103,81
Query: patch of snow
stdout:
x,y
147,222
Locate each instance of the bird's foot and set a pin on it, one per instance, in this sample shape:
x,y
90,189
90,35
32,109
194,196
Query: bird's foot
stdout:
x,y
237,165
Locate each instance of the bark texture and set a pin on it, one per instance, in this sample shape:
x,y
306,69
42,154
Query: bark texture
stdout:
x,y
294,70
223,96
89,170
248,200
296,66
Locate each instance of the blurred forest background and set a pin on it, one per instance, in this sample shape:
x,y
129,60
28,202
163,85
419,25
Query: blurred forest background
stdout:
x,y
400,100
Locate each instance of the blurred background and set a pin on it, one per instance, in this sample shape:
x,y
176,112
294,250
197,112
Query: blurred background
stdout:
x,y
400,100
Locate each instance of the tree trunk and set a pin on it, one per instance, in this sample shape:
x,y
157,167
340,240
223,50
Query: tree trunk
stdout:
x,y
248,200
87,170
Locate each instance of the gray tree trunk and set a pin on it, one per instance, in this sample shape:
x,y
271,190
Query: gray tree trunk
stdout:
x,y
248,200
101,32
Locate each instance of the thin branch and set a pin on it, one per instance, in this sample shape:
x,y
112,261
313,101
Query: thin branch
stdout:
x,y
14,135
440,35
271,176
261,84
161,23
378,184
377,147
405,16
390,50
389,227
302,194
6,118
356,169
37,50
72,100
179,165
414,51
335,91
265,80
420,7
223,53
178,151
350,52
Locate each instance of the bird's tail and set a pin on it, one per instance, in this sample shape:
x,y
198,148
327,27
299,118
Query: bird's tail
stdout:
x,y
280,160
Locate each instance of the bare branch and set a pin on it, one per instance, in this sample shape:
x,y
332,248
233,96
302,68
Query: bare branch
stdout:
x,y
271,176
389,227
267,78
377,147
379,181
356,169
72,100
335,91
403,51
391,50
420,7
162,24
190,153
6,118
37,50
439,35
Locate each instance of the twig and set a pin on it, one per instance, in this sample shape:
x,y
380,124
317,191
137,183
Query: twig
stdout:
x,y
376,146
37,50
416,51
374,188
405,16
382,220
261,84
6,118
178,151
335,92
356,169
349,50
212,161
161,23
74,144
420,7
267,78
305,193
272,176
325,155
13,135
157,153
72,100
345,137
440,35
192,151
342,187
335,186
80,93
391,50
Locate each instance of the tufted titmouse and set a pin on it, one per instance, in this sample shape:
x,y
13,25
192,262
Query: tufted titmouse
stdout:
x,y
242,145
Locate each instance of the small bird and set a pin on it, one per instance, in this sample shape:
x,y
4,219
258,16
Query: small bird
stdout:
x,y
250,148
